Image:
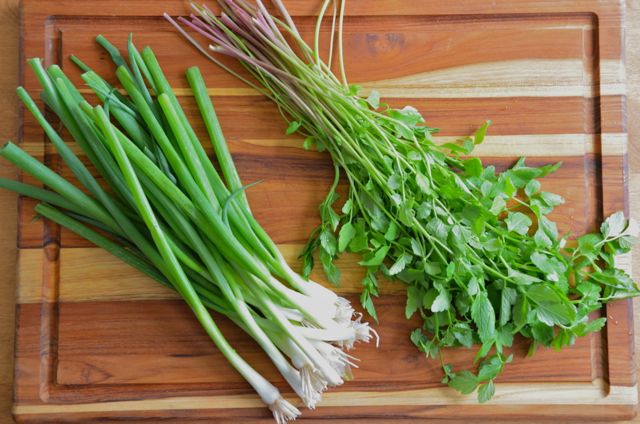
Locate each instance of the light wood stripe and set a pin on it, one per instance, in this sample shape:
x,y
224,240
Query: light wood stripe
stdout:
x,y
92,274
614,144
613,78
625,262
29,273
512,78
540,145
506,394
517,78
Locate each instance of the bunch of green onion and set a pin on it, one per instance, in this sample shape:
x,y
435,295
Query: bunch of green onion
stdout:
x,y
167,211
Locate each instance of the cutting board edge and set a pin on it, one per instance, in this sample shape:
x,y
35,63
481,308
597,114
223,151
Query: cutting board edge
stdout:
x,y
632,409
623,399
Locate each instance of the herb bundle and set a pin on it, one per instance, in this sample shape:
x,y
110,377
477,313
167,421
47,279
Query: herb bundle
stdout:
x,y
167,211
481,259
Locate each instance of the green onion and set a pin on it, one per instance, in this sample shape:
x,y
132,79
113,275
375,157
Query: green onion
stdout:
x,y
167,212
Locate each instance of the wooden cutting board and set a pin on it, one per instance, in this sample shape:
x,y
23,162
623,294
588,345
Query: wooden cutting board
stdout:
x,y
97,341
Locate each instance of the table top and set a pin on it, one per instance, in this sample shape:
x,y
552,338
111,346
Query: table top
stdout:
x,y
9,34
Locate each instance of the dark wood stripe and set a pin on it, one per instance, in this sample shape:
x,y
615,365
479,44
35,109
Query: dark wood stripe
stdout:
x,y
167,336
295,181
401,46
256,118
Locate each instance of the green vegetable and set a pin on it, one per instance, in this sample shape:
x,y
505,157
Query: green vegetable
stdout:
x,y
166,211
481,260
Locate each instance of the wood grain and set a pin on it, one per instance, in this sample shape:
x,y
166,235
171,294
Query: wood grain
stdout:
x,y
576,86
8,210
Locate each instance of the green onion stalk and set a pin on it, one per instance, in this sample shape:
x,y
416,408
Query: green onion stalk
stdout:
x,y
161,206
481,259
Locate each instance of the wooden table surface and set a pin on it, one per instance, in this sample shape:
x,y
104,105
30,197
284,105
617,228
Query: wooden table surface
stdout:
x,y
8,130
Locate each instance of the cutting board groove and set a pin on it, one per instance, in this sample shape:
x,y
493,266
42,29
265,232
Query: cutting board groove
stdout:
x,y
97,341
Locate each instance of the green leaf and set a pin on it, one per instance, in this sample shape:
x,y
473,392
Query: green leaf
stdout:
x,y
360,242
486,391
293,127
465,382
308,143
394,182
406,215
414,301
392,231
614,225
484,350
463,334
473,286
486,188
542,333
328,242
549,227
423,183
432,268
540,293
408,115
473,167
424,210
416,248
377,257
505,336
523,279
498,205
327,213
417,337
521,174
450,270
441,302
595,325
423,343
307,264
555,313
532,188
521,312
354,89
548,169
490,368
484,317
330,269
518,222
370,283
478,136
429,297
507,298
589,245
347,207
552,267
403,260
367,303
589,290
509,189
492,245
347,233
438,229
551,199
374,99
541,239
